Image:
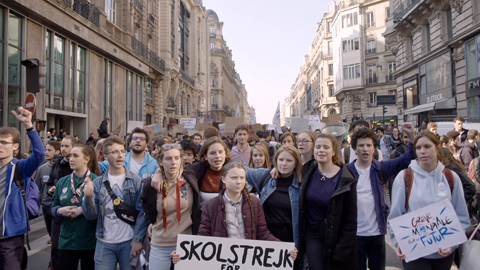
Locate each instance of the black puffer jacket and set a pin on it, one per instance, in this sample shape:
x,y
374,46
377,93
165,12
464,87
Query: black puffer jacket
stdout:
x,y
149,200
341,223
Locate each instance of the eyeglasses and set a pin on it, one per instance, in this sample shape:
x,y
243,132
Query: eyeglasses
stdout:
x,y
138,138
171,145
116,152
303,141
4,143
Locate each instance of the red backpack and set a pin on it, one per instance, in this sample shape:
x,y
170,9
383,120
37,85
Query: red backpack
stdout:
x,y
408,178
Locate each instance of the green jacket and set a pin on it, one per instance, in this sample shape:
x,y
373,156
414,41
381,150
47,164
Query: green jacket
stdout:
x,y
78,233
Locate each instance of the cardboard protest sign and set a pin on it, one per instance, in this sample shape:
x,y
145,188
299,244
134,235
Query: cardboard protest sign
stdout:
x,y
232,122
188,121
299,124
134,124
221,128
153,131
180,128
217,253
201,126
423,231
252,131
271,127
288,122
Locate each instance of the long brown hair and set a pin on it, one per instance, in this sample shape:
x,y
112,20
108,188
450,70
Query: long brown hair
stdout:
x,y
434,139
207,144
296,155
262,149
448,159
237,165
89,151
336,159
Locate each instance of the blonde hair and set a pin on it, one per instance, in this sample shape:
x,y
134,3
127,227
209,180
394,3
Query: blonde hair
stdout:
x,y
262,149
296,155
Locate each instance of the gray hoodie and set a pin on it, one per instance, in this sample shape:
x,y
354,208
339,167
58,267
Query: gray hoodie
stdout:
x,y
427,188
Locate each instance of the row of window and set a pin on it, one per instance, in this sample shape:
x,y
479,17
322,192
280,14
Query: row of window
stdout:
x,y
351,45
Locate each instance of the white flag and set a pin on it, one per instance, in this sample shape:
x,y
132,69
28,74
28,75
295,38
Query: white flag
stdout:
x,y
276,120
238,112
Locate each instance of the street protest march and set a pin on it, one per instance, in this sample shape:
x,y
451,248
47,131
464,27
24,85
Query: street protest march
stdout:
x,y
423,231
202,253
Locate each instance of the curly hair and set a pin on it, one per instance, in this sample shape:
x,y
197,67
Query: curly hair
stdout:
x,y
364,133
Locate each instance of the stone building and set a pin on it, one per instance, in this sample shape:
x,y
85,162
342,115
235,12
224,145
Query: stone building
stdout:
x,y
227,92
437,50
363,65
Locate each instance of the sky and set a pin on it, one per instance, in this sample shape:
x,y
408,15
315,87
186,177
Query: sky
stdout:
x,y
268,39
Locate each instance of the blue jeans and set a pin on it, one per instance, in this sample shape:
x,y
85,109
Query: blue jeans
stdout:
x,y
107,255
373,249
160,258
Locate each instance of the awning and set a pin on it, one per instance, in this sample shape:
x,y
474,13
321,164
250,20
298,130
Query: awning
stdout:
x,y
441,105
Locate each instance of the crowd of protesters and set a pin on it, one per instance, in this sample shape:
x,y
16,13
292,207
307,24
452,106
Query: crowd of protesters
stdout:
x,y
116,200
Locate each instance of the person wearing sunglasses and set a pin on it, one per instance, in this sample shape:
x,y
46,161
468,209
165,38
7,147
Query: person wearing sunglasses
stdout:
x,y
137,160
179,201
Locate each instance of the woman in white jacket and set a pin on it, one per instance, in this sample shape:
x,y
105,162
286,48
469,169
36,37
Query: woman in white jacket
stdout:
x,y
429,186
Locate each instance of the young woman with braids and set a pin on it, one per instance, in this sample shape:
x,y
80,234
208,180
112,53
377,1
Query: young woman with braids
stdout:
x,y
172,211
234,213
77,234
213,155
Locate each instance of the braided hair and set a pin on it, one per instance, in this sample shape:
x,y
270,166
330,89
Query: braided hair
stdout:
x,y
225,170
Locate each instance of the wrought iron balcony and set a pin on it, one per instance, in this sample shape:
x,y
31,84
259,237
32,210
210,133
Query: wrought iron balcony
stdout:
x,y
187,78
219,51
139,5
146,53
372,80
84,9
389,78
404,7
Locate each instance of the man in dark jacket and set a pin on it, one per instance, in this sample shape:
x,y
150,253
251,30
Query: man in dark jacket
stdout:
x,y
372,210
469,149
401,147
458,127
60,168
13,221
103,129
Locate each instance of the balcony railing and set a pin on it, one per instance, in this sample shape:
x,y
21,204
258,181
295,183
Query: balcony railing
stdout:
x,y
151,18
216,50
404,7
214,106
370,51
84,9
212,35
389,78
139,5
146,53
372,80
187,78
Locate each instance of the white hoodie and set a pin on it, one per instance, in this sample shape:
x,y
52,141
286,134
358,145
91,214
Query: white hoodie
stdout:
x,y
427,188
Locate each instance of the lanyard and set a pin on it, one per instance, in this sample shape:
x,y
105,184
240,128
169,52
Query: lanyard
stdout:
x,y
78,191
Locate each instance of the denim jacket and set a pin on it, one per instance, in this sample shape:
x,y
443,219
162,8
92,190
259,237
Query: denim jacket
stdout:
x,y
132,189
254,177
392,168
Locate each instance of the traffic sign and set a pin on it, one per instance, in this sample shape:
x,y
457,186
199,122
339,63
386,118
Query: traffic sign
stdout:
x,y
30,103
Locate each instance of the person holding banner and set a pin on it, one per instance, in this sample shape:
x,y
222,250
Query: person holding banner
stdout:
x,y
429,185
77,234
328,203
259,157
305,141
178,200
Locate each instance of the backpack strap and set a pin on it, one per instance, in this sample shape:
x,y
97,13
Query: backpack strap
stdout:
x,y
408,179
346,154
20,182
449,175
109,190
264,181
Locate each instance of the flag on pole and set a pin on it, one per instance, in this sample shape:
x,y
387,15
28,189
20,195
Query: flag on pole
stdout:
x,y
254,118
238,112
276,120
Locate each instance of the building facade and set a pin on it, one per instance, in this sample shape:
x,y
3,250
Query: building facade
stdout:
x,y
227,95
437,50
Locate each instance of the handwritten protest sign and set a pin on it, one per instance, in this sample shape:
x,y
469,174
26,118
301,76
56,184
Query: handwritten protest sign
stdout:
x,y
217,253
423,231
221,128
153,131
299,125
233,122
180,128
252,131
189,122
134,124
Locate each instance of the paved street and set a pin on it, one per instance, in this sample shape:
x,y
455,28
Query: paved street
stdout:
x,y
39,256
